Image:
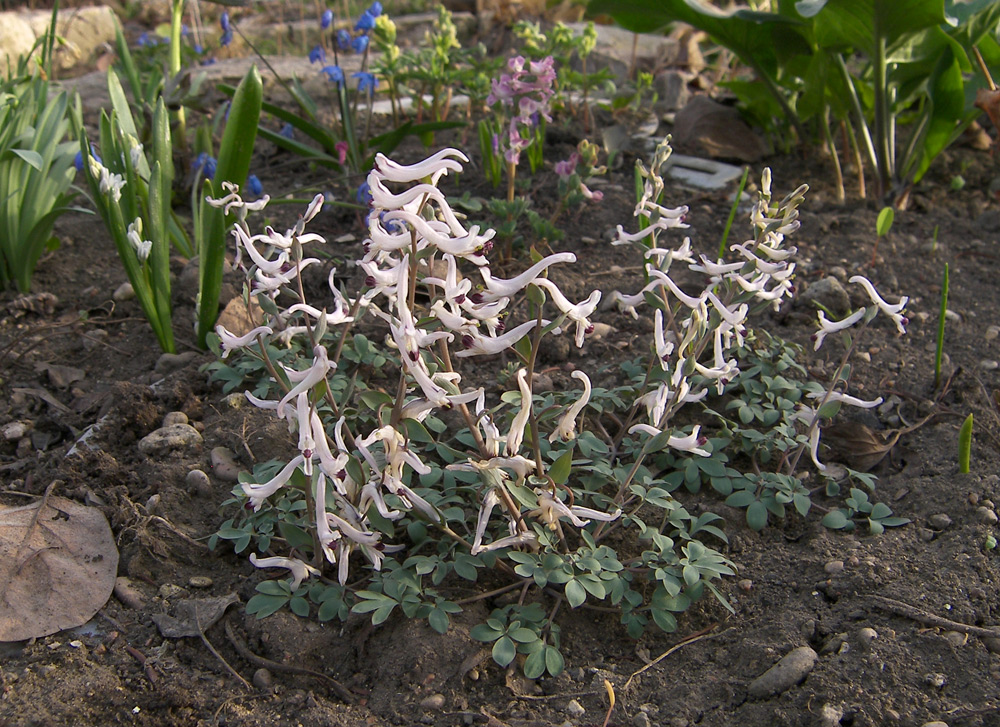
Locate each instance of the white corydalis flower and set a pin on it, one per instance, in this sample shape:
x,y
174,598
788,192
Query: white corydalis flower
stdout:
x,y
826,327
895,312
691,443
433,166
499,288
578,313
566,429
845,398
307,379
477,345
300,571
233,201
551,509
516,433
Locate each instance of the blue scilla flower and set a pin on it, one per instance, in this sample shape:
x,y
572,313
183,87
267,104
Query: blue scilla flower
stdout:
x,y
288,131
363,195
227,30
360,44
224,22
343,39
375,8
206,164
199,48
334,73
317,55
226,38
366,22
254,185
367,83
78,159
326,19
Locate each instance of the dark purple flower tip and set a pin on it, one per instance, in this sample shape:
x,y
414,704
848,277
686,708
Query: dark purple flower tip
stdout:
x,y
468,341
791,290
370,281
813,337
487,246
702,441
501,326
905,321
342,475
414,355
589,329
326,19
459,299
307,453
367,247
477,298
724,381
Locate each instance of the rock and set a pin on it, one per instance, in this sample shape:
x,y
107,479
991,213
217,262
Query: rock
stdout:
x,y
830,716
16,430
956,638
988,364
164,439
199,483
830,294
575,710
935,723
834,567
936,680
126,593
123,292
170,362
939,521
16,38
705,126
789,671
238,319
992,644
171,590
745,584
263,680
94,338
925,534
200,582
434,701
641,719
992,332
174,417
673,91
234,401
224,465
867,634
986,516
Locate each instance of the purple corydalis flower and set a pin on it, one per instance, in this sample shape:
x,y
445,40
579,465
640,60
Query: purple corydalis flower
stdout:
x,y
566,169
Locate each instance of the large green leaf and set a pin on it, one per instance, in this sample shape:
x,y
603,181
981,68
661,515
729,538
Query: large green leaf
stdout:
x,y
861,24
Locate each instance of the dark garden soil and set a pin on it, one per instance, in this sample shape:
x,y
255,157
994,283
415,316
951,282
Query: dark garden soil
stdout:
x,y
897,620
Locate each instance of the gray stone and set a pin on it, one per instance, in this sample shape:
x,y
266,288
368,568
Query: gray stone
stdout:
x,y
177,436
175,417
263,680
641,719
834,567
939,521
16,38
199,483
434,701
789,671
123,292
575,709
200,582
830,715
704,125
170,362
224,464
986,515
830,294
935,679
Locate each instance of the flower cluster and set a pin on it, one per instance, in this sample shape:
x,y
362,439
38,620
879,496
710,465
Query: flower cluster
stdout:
x,y
346,41
526,91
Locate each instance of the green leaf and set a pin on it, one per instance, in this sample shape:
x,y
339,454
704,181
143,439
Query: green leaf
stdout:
x,y
30,157
554,661
757,515
485,632
835,520
263,606
523,635
299,606
576,594
664,619
560,469
884,222
504,651
438,620
534,665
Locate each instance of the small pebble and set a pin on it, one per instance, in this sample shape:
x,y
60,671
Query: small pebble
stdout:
x,y
956,638
16,430
988,364
745,584
169,362
834,567
434,701
171,590
992,644
936,680
808,629
174,417
224,464
199,483
177,436
263,680
986,516
867,635
935,723
991,333
939,521
789,671
830,715
123,292
641,719
925,534
234,401
153,504
93,339
973,498
200,582
952,316
575,709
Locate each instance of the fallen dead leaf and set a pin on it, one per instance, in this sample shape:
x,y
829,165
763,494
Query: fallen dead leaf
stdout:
x,y
58,563
193,616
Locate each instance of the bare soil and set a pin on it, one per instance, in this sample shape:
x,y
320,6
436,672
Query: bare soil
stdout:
x,y
89,359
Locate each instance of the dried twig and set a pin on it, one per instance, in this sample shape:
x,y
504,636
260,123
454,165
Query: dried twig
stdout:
x,y
276,666
703,634
929,619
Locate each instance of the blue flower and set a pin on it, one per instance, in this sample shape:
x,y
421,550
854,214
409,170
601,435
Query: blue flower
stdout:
x,y
367,83
317,55
375,9
205,164
334,73
288,131
78,159
224,22
254,185
366,22
149,40
343,39
360,44
226,38
326,19
198,48
363,195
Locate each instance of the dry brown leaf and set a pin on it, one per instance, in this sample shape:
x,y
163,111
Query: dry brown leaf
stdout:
x,y
989,101
857,445
58,563
194,616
